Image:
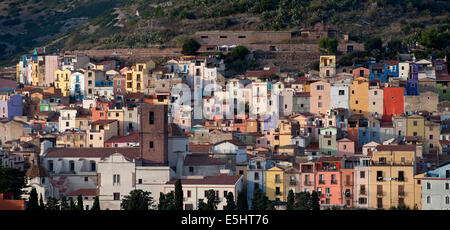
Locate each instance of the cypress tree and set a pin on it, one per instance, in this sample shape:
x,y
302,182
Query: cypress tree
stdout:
x,y
72,204
231,206
178,195
212,202
41,203
241,201
33,200
64,204
96,205
80,203
290,200
201,205
315,201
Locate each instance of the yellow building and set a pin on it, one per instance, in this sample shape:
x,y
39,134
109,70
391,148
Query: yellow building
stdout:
x,y
359,97
282,134
391,177
62,81
275,183
135,78
327,66
418,190
415,126
117,114
37,70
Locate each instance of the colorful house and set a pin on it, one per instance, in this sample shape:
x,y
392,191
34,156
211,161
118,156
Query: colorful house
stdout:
x,y
275,184
359,97
328,181
320,97
393,102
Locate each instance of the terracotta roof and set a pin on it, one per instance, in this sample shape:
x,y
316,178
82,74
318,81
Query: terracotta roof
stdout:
x,y
443,78
395,148
261,73
37,171
413,138
103,122
234,142
84,192
129,152
345,140
201,159
222,179
329,158
132,137
201,148
391,62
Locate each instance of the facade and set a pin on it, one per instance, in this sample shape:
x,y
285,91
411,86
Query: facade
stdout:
x,y
320,97
359,97
436,189
10,106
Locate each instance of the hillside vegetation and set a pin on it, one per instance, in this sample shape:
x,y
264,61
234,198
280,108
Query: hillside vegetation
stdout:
x,y
153,23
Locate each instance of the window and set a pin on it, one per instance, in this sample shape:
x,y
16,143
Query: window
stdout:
x,y
362,174
446,186
140,181
428,199
151,118
191,169
116,179
277,191
50,165
93,166
428,185
447,200
401,176
341,92
151,144
72,165
379,175
189,193
86,178
363,200
329,142
116,196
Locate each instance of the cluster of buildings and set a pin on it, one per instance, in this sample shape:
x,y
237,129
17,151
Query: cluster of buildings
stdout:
x,y
374,136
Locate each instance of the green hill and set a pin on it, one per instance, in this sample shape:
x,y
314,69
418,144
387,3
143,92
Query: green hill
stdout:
x,y
66,25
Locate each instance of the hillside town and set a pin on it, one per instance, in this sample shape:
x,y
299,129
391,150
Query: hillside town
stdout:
x,y
371,136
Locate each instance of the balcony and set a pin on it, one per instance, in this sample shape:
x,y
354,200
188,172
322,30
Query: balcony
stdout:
x,y
277,181
362,192
333,181
293,183
307,183
401,193
379,193
321,182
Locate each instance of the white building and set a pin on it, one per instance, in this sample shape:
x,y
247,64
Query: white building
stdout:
x,y
436,189
67,119
339,97
195,188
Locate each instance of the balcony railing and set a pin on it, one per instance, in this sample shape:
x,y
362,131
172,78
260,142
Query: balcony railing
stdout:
x,y
321,182
333,181
292,182
277,181
307,183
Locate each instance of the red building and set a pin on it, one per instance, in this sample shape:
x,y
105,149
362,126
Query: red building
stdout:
x,y
393,102
328,181
100,111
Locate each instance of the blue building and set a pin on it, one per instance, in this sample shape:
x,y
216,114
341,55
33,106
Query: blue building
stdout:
x,y
384,71
412,83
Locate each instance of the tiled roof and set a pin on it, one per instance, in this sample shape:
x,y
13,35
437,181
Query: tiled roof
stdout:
x,y
130,153
234,142
261,73
103,122
201,159
345,140
201,148
37,171
395,148
413,138
84,192
222,179
132,137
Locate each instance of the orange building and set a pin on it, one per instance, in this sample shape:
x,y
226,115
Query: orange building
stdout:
x,y
100,111
7,203
393,102
359,97
328,181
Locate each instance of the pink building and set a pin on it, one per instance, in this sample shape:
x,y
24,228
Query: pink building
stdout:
x,y
345,147
328,182
320,97
52,63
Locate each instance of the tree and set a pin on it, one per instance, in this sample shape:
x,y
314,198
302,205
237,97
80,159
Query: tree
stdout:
x,y
52,204
241,201
33,200
330,45
190,47
96,205
303,201
178,195
12,180
41,203
137,200
201,205
231,206
212,201
373,43
72,204
239,52
166,201
260,201
290,200
80,203
315,201
64,204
